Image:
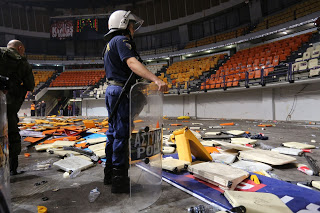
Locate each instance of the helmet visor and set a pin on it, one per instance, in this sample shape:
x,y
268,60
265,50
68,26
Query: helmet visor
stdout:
x,y
137,22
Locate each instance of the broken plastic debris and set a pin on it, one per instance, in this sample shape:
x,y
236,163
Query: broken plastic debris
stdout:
x,y
42,209
227,124
305,169
75,173
93,195
27,155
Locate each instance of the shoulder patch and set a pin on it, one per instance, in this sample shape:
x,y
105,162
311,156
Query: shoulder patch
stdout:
x,y
129,46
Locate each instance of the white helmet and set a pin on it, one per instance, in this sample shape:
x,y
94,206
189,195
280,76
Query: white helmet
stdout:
x,y
120,19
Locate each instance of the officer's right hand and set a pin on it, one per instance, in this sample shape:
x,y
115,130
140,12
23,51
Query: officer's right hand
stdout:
x,y
162,86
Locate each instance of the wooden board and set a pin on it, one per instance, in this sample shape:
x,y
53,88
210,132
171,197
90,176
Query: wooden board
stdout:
x,y
250,166
60,144
96,140
168,150
96,147
298,145
174,165
235,132
235,146
73,163
100,153
43,147
223,157
266,156
219,174
288,151
243,141
316,184
63,153
212,133
257,202
209,142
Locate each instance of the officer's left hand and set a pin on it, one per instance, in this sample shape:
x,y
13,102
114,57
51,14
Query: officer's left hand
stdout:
x,y
162,86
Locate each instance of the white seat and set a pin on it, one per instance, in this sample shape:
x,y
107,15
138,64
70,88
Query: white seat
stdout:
x,y
317,47
303,65
295,66
310,50
314,72
315,54
298,59
312,63
306,56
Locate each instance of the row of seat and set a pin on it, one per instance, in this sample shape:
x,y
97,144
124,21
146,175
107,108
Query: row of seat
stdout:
x,y
289,14
78,78
185,71
217,38
254,62
296,11
310,53
41,76
265,55
59,58
159,50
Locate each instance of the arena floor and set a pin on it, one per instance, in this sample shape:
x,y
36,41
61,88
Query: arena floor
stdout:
x,y
71,195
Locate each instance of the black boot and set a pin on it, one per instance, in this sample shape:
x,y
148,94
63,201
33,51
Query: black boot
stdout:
x,y
108,174
120,180
13,162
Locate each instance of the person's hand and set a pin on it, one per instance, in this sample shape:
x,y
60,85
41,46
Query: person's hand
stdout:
x,y
162,86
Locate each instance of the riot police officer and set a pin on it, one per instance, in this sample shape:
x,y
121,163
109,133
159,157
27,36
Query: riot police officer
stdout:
x,y
119,62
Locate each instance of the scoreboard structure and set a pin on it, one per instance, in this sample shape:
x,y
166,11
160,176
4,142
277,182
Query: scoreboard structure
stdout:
x,y
86,24
78,27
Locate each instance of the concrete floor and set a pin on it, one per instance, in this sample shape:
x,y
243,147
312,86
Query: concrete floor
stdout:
x,y
71,195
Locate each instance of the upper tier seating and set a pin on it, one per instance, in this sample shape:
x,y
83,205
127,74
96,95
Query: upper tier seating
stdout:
x,y
252,61
217,38
289,14
71,78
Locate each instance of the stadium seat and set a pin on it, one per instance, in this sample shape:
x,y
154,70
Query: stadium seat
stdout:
x,y
310,50
303,65
315,54
295,66
312,63
298,59
306,56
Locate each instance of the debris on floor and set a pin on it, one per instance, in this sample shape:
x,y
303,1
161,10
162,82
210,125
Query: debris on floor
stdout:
x,y
225,162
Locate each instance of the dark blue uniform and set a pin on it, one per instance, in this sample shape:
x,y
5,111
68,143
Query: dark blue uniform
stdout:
x,y
118,49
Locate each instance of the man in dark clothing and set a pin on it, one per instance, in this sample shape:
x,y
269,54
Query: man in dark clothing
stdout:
x,y
21,81
38,108
43,108
119,62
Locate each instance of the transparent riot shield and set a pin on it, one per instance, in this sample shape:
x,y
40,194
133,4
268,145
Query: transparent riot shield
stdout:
x,y
4,157
145,145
